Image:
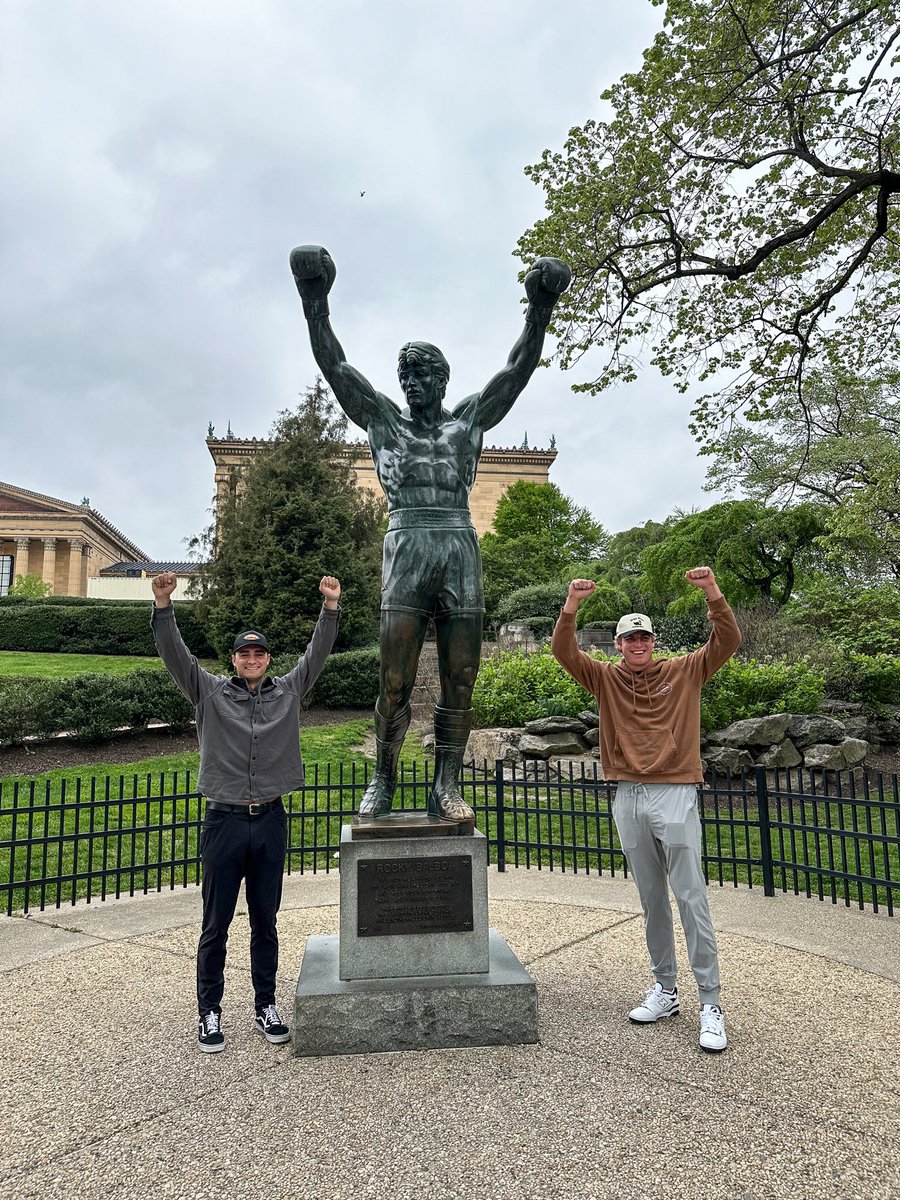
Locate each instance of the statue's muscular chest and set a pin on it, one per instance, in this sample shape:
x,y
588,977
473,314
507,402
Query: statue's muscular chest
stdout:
x,y
407,456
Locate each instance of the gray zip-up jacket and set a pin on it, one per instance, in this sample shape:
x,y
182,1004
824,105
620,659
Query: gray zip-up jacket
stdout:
x,y
249,741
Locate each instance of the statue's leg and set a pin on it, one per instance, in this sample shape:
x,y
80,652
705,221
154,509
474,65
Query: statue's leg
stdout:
x,y
402,634
459,653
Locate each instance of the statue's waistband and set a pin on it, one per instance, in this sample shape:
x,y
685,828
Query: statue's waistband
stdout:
x,y
429,518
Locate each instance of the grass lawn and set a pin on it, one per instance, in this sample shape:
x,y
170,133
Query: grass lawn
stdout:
x,y
62,666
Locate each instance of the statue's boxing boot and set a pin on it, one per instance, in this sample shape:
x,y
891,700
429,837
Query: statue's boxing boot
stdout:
x,y
389,735
451,732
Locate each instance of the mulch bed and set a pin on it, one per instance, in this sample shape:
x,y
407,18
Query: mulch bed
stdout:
x,y
59,752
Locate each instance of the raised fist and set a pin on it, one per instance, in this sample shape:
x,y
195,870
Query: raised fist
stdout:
x,y
579,589
163,586
314,273
546,282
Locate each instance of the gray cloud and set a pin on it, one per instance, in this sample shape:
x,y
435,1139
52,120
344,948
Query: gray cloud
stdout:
x,y
164,158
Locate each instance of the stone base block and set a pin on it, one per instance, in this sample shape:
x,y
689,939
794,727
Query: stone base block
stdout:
x,y
362,1016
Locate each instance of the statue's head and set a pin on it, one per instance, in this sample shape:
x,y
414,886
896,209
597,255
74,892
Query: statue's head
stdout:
x,y
424,374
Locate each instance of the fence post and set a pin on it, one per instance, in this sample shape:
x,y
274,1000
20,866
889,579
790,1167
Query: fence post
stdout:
x,y
765,831
501,815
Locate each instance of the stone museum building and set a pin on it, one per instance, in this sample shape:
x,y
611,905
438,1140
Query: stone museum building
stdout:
x,y
497,469
66,544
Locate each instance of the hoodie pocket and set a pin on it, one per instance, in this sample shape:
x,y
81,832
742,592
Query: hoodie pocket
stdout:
x,y
646,751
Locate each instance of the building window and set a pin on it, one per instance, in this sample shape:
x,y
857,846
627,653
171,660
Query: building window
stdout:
x,y
6,569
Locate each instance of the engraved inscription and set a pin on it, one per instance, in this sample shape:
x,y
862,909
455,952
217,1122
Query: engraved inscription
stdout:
x,y
414,895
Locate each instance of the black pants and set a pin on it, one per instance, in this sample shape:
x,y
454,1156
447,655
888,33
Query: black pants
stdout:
x,y
236,846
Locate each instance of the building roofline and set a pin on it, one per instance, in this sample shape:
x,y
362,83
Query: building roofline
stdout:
x,y
82,510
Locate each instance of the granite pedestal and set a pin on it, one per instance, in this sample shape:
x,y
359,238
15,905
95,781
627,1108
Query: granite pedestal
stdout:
x,y
415,966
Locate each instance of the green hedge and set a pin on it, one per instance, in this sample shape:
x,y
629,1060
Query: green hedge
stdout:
x,y
348,680
747,688
514,688
538,600
83,627
90,706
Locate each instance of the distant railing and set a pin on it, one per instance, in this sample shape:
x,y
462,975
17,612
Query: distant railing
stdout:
x,y
825,834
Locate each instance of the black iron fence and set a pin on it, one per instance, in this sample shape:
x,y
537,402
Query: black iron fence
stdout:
x,y
825,834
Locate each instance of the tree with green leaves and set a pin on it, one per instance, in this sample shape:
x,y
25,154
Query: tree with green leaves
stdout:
x,y
845,455
31,586
737,213
758,553
538,532
298,515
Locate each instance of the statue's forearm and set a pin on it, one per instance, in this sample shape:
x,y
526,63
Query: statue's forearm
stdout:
x,y
327,350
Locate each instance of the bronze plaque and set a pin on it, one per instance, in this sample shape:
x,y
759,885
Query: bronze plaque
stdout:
x,y
414,895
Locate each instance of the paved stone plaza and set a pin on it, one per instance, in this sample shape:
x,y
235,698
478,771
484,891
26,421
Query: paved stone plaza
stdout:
x,y
105,1093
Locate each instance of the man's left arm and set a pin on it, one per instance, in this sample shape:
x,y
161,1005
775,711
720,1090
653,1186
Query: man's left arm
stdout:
x,y
302,677
725,637
544,284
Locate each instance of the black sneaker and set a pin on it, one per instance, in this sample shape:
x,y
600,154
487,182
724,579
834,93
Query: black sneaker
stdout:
x,y
209,1032
270,1024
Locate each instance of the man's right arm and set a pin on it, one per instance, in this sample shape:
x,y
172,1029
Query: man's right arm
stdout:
x,y
581,667
314,274
192,681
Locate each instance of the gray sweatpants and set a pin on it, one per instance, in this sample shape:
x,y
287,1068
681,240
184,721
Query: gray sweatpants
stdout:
x,y
659,829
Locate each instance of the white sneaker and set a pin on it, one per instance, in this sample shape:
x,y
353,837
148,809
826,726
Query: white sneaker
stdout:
x,y
712,1029
657,1004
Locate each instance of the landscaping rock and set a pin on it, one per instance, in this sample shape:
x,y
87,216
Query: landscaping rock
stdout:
x,y
854,750
590,719
549,745
555,725
591,736
858,726
754,731
487,745
837,708
824,756
727,760
785,754
808,730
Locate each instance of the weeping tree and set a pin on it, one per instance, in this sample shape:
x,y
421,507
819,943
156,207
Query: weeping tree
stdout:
x,y
296,515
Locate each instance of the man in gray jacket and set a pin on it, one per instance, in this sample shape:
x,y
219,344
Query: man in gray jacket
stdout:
x,y
248,727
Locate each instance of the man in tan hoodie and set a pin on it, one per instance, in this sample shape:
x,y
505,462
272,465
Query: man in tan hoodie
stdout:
x,y
650,744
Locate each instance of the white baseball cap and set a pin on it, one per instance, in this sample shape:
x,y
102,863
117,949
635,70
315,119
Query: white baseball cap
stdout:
x,y
634,623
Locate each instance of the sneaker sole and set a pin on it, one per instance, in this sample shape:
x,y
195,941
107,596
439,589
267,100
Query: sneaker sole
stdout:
x,y
653,1020
214,1049
276,1039
714,1049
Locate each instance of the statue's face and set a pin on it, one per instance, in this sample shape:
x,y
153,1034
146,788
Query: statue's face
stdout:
x,y
421,386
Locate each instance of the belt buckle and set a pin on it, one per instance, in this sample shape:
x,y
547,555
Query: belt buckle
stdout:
x,y
254,809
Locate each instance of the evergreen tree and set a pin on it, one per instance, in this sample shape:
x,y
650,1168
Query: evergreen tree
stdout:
x,y
295,516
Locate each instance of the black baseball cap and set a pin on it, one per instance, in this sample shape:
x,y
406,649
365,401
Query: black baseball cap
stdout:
x,y
249,638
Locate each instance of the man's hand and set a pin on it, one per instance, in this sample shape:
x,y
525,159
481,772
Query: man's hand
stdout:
x,y
704,579
163,586
314,273
544,284
330,587
579,589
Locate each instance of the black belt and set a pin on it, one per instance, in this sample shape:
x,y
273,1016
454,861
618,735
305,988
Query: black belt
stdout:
x,y
252,810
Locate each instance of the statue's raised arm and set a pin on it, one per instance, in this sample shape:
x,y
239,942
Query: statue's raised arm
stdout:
x,y
314,272
544,284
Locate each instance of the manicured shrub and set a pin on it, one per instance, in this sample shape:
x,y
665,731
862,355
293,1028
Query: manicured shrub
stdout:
x,y
681,631
89,706
52,627
514,688
348,680
754,689
538,600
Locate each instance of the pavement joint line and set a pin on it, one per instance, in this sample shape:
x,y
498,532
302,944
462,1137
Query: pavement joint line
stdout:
x,y
779,940
585,937
21,1173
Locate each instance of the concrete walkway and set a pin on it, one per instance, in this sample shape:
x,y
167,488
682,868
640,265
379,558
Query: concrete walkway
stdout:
x,y
105,1094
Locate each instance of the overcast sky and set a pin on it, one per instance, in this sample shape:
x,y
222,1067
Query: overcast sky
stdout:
x,y
162,157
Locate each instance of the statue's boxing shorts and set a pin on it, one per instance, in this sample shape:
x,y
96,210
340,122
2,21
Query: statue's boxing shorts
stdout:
x,y
431,564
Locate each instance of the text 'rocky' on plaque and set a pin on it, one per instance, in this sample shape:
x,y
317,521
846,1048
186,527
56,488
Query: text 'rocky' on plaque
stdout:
x,y
414,895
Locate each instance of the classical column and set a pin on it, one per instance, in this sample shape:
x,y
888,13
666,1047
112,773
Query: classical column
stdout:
x,y
76,545
49,572
22,556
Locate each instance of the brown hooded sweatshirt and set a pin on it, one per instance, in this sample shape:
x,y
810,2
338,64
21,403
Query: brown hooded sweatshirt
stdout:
x,y
650,720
